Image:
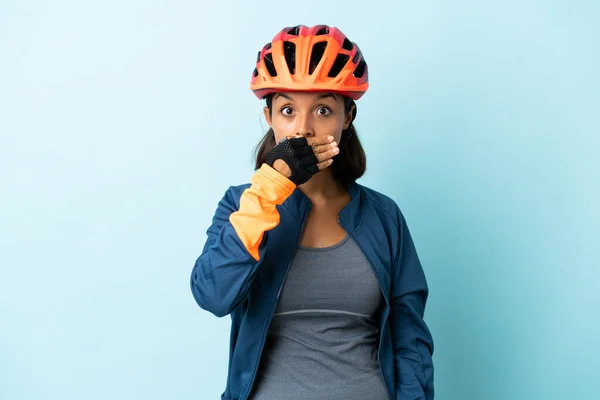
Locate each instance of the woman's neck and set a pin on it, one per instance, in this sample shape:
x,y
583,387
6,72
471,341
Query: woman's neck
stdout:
x,y
323,186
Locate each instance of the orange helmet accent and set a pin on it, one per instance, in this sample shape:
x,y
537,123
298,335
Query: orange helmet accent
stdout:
x,y
320,58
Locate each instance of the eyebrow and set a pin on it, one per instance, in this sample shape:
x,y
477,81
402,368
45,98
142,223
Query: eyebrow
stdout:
x,y
323,96
320,97
285,96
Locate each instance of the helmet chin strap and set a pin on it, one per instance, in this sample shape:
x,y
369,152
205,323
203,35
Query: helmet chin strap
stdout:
x,y
354,110
352,103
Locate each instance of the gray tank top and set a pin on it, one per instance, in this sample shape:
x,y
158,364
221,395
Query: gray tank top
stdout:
x,y
322,342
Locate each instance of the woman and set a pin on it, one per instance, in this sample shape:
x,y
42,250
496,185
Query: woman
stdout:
x,y
319,274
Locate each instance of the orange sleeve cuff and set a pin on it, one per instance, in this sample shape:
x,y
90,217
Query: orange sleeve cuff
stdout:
x,y
272,174
258,213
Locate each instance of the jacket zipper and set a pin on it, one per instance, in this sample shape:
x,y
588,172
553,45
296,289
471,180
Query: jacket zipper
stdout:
x,y
287,270
387,303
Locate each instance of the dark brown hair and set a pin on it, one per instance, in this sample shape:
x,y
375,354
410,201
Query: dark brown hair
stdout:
x,y
349,165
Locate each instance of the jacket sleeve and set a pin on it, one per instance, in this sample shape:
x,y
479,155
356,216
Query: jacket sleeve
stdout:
x,y
412,340
222,274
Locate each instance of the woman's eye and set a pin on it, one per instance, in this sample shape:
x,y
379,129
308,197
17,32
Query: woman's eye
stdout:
x,y
323,111
286,111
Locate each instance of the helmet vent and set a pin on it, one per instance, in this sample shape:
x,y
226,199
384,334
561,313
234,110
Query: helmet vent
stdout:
x,y
355,58
294,31
347,45
269,64
338,64
323,31
289,51
360,69
315,56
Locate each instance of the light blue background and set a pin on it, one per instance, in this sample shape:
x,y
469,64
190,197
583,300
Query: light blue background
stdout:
x,y
122,123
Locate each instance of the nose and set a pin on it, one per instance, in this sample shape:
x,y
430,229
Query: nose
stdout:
x,y
304,125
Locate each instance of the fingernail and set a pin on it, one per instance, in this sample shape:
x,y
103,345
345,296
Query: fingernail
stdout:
x,y
333,144
330,138
336,150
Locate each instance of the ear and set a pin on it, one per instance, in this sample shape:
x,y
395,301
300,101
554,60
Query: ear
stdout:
x,y
268,116
349,117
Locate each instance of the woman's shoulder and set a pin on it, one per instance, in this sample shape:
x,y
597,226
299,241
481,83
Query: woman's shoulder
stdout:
x,y
378,197
237,190
231,196
382,201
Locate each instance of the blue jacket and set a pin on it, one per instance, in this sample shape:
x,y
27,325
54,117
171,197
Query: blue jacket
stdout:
x,y
226,279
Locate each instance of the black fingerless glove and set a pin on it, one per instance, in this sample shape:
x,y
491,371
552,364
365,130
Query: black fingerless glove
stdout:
x,y
299,157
